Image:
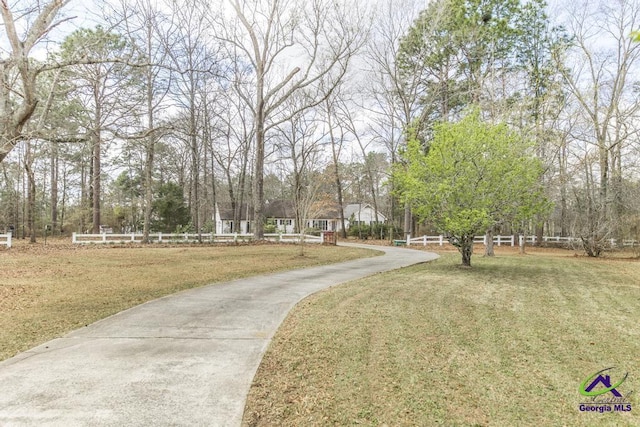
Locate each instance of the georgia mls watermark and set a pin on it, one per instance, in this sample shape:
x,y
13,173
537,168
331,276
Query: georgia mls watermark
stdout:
x,y
601,393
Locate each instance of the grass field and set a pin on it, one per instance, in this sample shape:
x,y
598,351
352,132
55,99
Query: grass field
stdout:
x,y
46,291
505,343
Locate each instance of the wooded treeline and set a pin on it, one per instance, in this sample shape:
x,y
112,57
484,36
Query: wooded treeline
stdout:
x,y
166,108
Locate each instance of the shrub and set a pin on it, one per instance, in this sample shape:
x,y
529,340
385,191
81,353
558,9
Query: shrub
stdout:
x,y
270,227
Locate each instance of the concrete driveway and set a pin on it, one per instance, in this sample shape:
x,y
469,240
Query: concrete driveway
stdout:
x,y
183,360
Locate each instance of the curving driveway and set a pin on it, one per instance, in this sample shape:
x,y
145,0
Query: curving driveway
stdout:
x,y
183,360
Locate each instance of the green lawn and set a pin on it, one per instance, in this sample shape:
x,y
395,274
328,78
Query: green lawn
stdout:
x,y
506,343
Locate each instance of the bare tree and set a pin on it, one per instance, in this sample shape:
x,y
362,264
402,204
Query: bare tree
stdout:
x,y
232,151
194,59
231,143
148,31
337,139
355,127
299,144
318,35
600,81
18,72
396,92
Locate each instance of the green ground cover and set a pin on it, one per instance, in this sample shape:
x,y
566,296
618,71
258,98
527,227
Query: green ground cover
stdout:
x,y
505,343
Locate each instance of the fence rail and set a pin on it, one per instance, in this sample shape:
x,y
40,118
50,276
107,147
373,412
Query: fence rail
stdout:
x,y
5,239
511,240
103,238
442,240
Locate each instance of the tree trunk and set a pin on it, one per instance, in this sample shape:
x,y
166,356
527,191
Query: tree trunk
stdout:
x,y
63,201
258,179
466,250
151,146
298,203
31,193
31,207
336,173
96,182
343,224
242,182
488,247
85,182
214,194
236,208
408,220
96,158
564,229
539,231
195,162
148,190
617,210
55,170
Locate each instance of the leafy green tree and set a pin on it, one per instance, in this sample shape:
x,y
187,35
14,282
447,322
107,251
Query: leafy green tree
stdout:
x,y
472,176
169,208
128,194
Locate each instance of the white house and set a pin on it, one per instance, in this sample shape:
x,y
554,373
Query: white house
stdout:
x,y
224,219
282,214
362,213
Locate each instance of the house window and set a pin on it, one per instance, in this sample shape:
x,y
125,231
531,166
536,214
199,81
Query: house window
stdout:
x,y
285,222
320,224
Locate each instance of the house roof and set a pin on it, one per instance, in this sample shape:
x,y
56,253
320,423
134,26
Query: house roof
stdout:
x,y
279,209
355,208
226,212
326,212
285,209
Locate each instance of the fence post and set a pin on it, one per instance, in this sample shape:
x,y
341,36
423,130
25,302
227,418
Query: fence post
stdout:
x,y
441,240
235,237
133,237
73,238
160,237
104,237
321,237
513,240
9,235
408,239
424,240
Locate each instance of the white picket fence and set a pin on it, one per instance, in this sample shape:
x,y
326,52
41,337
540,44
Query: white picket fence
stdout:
x,y
5,239
442,240
509,240
102,238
